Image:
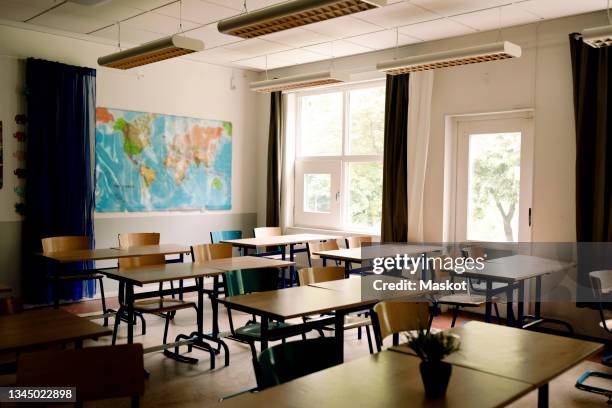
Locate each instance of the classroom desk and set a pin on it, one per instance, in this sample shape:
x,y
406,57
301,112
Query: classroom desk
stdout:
x,y
515,270
357,255
523,355
164,273
385,379
283,241
247,262
46,327
100,254
301,301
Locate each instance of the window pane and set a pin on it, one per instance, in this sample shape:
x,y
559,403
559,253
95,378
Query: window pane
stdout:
x,y
367,121
317,193
365,194
321,124
493,187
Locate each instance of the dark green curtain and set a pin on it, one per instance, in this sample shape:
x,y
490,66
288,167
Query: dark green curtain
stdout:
x,y
394,224
274,160
591,69
60,188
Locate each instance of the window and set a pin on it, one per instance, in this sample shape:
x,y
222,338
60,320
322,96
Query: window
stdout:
x,y
339,148
494,170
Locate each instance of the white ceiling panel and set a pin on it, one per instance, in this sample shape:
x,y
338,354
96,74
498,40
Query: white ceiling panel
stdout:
x,y
255,47
560,8
219,55
260,63
383,39
511,15
296,56
453,7
196,11
339,48
17,10
251,4
144,5
434,30
343,27
157,23
398,14
129,35
212,37
297,37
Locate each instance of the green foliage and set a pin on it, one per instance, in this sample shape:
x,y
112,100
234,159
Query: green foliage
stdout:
x,y
494,179
365,190
433,347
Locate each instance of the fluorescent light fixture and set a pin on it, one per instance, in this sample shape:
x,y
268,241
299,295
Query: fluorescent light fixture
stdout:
x,y
292,14
598,37
154,51
299,81
472,55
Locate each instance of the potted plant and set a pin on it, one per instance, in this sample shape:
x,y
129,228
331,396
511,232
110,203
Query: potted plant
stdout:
x,y
432,348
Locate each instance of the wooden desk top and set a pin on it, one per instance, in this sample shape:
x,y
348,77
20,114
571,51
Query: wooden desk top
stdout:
x,y
279,240
100,254
518,354
359,255
355,285
517,268
384,379
247,262
45,327
5,288
161,273
296,302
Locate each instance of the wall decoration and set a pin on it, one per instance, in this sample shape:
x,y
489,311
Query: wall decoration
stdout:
x,y
155,162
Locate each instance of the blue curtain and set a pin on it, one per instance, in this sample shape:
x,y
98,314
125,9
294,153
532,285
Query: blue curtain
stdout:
x,y
61,101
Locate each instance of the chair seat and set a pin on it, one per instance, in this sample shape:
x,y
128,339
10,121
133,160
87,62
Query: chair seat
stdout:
x,y
160,305
80,276
465,299
354,322
482,287
254,329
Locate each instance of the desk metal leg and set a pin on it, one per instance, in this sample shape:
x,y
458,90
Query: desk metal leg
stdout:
x,y
129,299
488,299
264,332
339,334
543,396
521,303
509,305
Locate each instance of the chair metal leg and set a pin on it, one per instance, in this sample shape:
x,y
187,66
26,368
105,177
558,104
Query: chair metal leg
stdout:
x,y
369,340
455,315
253,350
103,298
596,390
117,321
143,323
166,328
497,313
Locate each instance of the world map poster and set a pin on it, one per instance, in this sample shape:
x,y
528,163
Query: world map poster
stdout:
x,y
154,162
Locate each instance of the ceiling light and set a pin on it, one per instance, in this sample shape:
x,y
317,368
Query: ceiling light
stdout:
x,y
598,37
292,14
154,51
472,55
299,81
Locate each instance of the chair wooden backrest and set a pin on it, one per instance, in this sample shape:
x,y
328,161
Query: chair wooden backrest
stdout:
x,y
321,246
96,372
475,251
134,239
285,362
261,232
65,243
393,317
309,276
206,252
356,242
601,282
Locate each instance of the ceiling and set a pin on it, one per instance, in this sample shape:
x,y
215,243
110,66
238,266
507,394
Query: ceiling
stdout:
x,y
401,21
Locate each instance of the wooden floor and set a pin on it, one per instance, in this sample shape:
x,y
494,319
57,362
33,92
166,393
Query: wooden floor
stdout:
x,y
173,384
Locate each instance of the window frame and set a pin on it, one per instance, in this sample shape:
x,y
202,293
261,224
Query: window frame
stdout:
x,y
334,221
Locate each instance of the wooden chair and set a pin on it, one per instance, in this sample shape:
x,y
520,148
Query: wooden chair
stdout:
x,y
270,251
207,252
394,317
601,282
241,282
218,236
356,242
330,245
308,276
97,373
459,300
73,243
160,306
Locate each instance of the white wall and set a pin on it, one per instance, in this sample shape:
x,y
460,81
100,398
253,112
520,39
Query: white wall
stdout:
x,y
178,87
542,80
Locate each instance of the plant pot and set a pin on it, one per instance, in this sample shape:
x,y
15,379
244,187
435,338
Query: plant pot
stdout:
x,y
435,376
